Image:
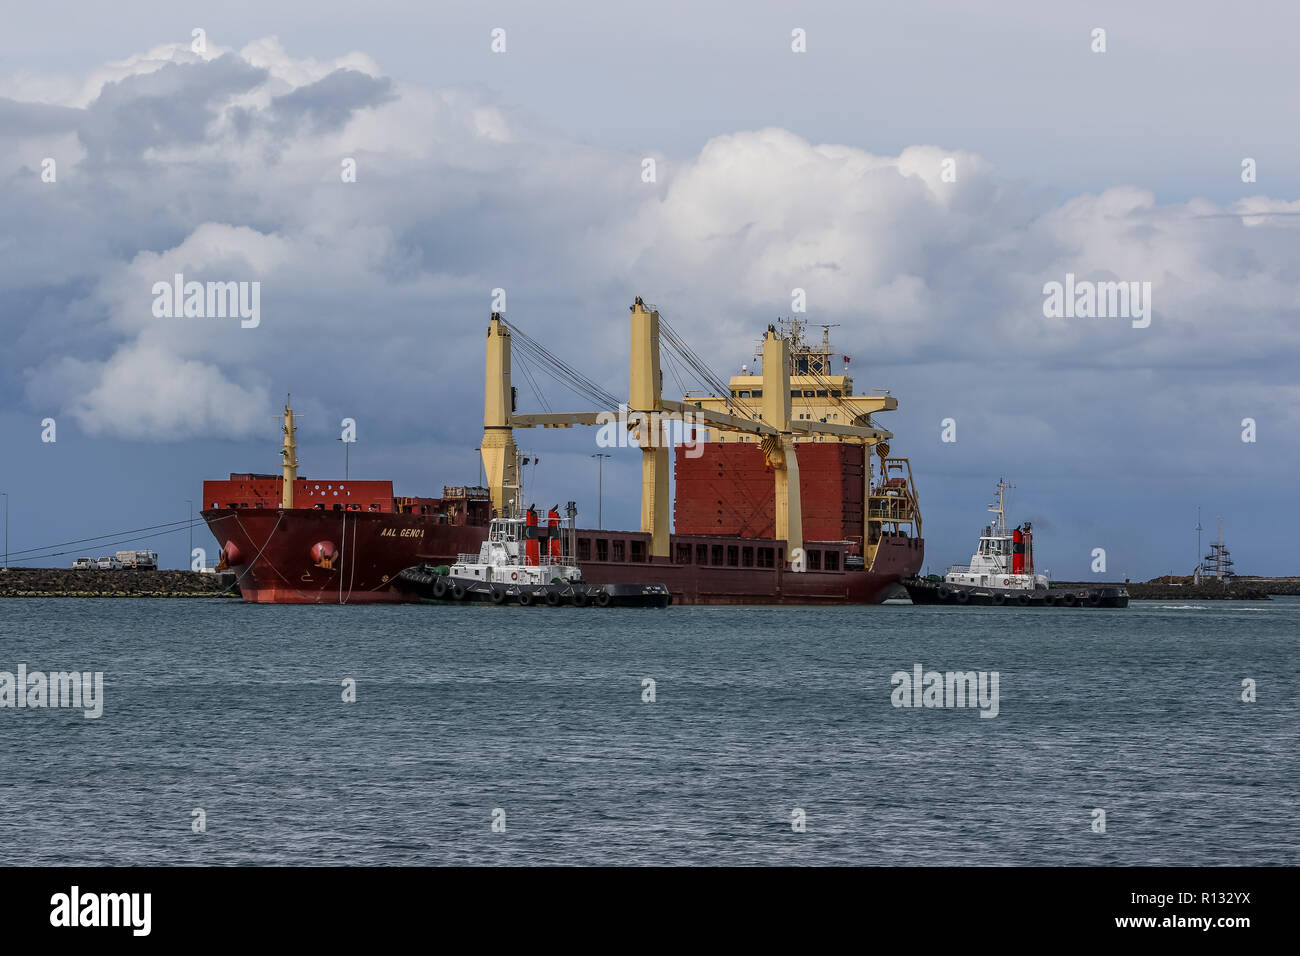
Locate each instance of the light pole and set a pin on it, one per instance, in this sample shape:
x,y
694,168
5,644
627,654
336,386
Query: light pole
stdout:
x,y
1196,568
600,490
189,557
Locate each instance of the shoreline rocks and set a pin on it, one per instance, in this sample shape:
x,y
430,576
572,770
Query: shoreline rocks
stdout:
x,y
1148,591
59,582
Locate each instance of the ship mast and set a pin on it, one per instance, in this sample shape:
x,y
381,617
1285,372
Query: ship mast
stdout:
x,y
290,455
1000,529
500,456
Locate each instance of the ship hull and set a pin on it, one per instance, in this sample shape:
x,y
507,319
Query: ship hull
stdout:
x,y
958,595
275,554
700,584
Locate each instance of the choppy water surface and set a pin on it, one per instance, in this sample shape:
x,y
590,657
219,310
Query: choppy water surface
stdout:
x,y
461,711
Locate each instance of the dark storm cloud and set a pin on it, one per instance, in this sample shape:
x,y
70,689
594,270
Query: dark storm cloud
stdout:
x,y
171,106
36,118
329,103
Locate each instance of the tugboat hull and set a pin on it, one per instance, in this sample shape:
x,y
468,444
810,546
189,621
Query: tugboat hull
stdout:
x,y
942,592
428,584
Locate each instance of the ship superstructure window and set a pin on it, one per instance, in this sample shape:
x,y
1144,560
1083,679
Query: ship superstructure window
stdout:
x,y
717,554
814,560
747,557
620,550
701,554
584,549
638,551
832,560
765,557
733,556
683,554
602,549
994,546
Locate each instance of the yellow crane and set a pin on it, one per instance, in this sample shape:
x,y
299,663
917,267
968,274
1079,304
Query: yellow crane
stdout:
x,y
774,428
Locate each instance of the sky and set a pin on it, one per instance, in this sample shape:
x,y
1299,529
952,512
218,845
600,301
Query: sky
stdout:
x,y
922,171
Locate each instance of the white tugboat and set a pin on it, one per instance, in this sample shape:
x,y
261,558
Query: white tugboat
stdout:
x,y
1001,571
527,562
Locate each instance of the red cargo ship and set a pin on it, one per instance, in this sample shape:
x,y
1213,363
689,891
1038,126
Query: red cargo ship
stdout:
x,y
343,542
297,540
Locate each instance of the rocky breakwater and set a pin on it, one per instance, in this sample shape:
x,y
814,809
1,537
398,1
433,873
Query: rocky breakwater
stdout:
x,y
1160,591
54,582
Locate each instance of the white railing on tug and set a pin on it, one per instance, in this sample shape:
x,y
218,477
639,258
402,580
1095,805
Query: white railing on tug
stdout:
x,y
510,573
543,563
967,569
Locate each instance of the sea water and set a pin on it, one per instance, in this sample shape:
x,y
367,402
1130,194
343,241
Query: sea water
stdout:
x,y
236,734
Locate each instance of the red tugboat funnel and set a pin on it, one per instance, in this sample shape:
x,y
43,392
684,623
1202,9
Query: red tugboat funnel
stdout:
x,y
1017,552
553,527
1029,548
532,546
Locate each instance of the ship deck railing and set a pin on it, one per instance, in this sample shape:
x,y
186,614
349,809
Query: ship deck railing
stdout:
x,y
544,562
890,511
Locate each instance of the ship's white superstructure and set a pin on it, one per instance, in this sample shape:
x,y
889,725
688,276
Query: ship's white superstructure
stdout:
x,y
1004,558
506,558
